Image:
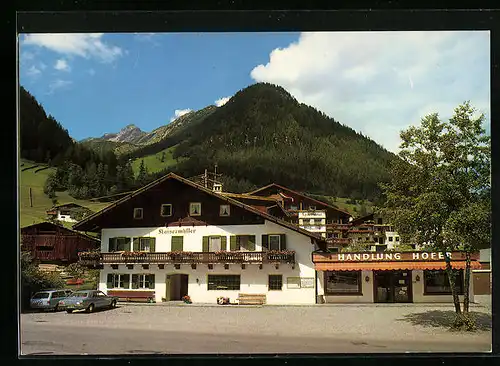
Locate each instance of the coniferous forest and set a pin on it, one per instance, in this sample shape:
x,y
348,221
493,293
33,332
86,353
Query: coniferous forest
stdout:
x,y
261,135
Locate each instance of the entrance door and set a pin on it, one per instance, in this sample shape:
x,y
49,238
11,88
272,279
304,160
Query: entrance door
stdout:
x,y
392,286
177,286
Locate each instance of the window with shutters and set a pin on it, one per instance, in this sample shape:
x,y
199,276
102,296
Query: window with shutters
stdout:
x,y
244,243
138,213
166,210
177,243
118,280
274,242
275,282
223,282
214,244
119,244
144,244
143,281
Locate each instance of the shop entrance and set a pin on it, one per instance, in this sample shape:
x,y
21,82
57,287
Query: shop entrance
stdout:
x,y
176,286
392,286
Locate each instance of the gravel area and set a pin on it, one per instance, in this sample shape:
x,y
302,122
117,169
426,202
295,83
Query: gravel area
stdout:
x,y
376,322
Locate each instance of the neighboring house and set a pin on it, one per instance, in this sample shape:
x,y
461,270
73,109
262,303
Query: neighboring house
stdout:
x,y
187,239
482,277
309,213
69,212
51,243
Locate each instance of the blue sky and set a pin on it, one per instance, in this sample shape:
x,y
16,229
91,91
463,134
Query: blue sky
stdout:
x,y
375,82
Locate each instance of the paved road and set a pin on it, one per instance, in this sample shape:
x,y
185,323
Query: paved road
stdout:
x,y
163,330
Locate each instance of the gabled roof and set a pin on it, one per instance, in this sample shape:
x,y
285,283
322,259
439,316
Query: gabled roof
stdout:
x,y
299,194
208,191
71,204
55,226
247,196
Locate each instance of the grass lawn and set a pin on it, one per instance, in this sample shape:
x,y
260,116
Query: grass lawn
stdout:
x,y
153,162
41,203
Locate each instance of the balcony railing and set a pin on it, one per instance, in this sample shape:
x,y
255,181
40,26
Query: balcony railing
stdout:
x,y
338,240
336,226
189,258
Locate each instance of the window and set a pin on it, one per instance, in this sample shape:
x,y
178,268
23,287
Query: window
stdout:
x,y
381,240
223,282
195,209
144,244
166,210
144,281
437,282
118,280
343,282
380,248
275,282
119,244
244,243
225,210
274,242
138,213
318,221
390,238
397,238
379,221
214,244
177,243
294,208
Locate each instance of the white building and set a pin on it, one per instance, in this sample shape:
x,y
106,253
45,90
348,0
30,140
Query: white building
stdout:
x,y
313,221
141,233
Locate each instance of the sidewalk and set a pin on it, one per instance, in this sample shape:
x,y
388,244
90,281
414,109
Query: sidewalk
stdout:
x,y
483,304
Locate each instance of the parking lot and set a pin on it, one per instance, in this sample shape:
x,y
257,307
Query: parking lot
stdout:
x,y
161,328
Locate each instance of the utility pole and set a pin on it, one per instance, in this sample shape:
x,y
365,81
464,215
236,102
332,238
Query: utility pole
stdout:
x,y
31,199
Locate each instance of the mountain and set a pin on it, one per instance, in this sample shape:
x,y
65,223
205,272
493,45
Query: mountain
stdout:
x,y
132,140
42,138
264,135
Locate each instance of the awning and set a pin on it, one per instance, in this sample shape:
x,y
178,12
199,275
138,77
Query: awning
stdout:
x,y
389,266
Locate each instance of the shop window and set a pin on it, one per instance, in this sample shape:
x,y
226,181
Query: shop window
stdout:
x,y
343,283
437,282
275,282
224,282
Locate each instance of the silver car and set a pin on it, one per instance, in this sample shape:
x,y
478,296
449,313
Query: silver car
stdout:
x,y
88,301
48,299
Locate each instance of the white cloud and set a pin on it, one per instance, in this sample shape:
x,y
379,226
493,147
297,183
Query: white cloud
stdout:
x,y
62,65
58,84
178,113
381,82
220,102
33,71
87,45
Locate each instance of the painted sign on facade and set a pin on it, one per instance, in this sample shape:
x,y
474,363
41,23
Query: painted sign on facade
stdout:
x,y
389,256
177,231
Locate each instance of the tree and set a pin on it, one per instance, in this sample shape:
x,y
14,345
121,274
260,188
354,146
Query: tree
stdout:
x,y
440,192
75,270
142,176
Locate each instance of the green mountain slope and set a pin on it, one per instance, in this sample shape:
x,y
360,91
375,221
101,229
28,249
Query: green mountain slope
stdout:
x,y
264,135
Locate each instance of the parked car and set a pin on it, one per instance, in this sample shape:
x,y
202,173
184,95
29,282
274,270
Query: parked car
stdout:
x,y
49,299
88,301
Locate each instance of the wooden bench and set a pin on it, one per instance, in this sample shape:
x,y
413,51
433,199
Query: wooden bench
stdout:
x,y
146,296
251,299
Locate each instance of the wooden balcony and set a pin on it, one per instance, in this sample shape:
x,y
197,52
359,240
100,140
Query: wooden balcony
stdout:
x,y
189,258
338,241
331,227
